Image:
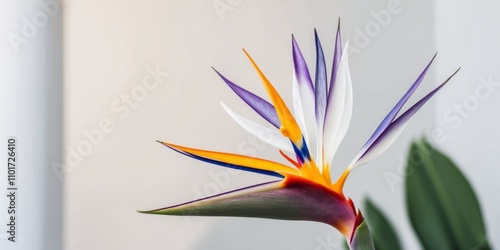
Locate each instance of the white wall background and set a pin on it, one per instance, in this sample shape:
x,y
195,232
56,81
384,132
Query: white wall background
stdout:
x,y
110,47
468,113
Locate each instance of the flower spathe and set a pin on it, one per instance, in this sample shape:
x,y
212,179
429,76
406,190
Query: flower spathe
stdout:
x,y
322,111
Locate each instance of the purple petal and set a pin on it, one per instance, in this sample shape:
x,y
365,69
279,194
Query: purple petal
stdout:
x,y
392,114
300,66
261,106
320,82
392,131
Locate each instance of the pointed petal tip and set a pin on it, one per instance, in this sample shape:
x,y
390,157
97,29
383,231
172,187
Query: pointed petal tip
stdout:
x,y
155,211
220,75
338,28
294,43
451,76
248,56
245,51
432,60
169,145
316,36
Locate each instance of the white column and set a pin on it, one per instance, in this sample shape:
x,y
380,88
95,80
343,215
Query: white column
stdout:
x,y
30,111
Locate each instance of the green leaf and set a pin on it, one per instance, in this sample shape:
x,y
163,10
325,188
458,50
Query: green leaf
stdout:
x,y
346,245
384,236
442,206
362,239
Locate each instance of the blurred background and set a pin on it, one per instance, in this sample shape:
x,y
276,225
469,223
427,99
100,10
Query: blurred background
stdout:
x,y
97,82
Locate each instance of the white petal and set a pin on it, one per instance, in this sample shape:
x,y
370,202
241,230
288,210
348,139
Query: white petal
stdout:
x,y
339,110
308,105
298,112
270,136
319,147
297,106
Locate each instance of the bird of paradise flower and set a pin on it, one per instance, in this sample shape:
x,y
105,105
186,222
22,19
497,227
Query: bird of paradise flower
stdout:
x,y
322,113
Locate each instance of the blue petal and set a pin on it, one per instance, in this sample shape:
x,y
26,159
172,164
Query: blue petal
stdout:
x,y
388,136
321,88
336,60
392,114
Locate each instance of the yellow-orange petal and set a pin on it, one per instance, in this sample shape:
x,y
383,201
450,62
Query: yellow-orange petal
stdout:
x,y
241,160
289,126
